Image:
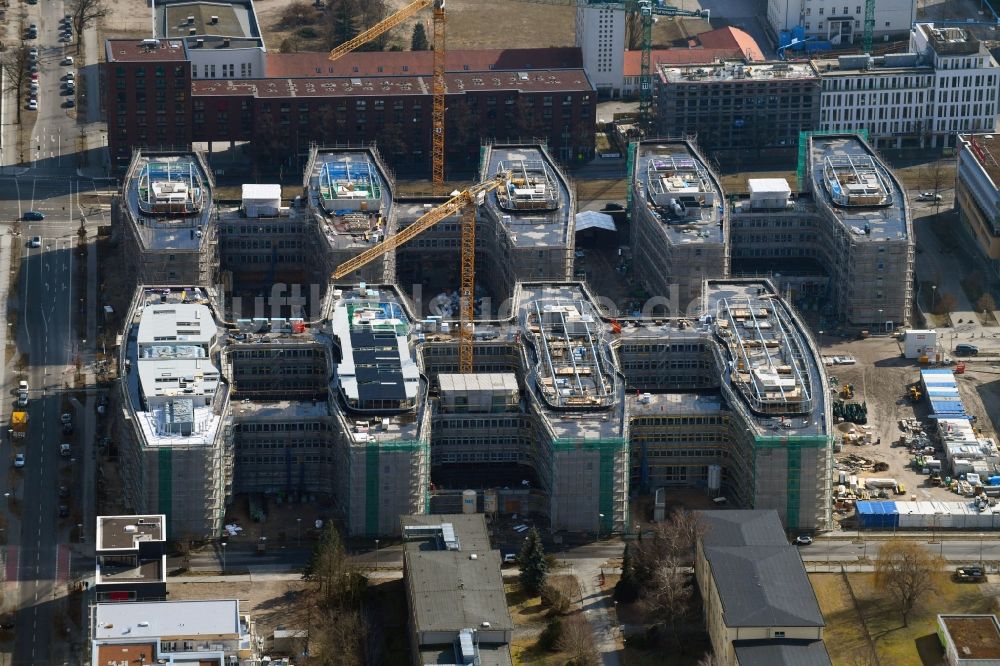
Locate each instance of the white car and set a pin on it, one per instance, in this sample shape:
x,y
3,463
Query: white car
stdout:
x,y
929,196
36,241
33,105
19,460
68,60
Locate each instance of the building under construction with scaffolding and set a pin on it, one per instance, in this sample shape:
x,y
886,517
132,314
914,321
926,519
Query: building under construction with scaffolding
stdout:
x,y
567,414
680,232
843,245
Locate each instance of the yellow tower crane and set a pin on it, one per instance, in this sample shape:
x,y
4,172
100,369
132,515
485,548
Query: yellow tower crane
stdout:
x,y
437,109
464,202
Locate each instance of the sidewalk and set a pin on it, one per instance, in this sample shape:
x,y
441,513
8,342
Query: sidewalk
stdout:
x,y
596,603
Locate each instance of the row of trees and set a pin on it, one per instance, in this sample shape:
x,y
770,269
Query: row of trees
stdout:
x,y
339,630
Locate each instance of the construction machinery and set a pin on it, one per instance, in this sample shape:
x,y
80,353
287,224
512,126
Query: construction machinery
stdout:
x,y
438,46
463,202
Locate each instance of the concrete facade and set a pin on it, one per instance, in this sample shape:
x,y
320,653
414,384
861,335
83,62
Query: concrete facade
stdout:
x,y
976,195
839,23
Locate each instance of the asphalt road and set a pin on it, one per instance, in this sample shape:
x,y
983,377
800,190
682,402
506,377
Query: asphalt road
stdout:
x,y
38,557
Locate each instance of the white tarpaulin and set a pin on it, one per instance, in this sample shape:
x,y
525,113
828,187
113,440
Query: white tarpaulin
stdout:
x,y
594,220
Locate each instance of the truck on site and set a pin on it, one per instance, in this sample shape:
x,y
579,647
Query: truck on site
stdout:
x,y
19,424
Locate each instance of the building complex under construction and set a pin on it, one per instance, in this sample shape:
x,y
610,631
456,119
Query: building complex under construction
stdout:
x,y
349,390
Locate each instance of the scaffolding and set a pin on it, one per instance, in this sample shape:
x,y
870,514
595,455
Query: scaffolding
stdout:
x,y
531,186
855,180
170,188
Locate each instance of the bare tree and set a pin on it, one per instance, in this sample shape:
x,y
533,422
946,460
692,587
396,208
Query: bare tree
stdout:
x,y
668,596
935,176
907,572
16,66
577,641
85,13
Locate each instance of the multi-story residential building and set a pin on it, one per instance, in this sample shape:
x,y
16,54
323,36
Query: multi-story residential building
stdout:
x,y
165,220
849,246
207,633
759,605
131,558
680,235
977,195
945,85
727,43
600,35
282,116
174,432
738,106
841,23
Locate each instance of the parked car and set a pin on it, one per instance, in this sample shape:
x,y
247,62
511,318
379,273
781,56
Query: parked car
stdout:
x,y
66,449
509,559
63,511
63,492
32,105
69,104
803,540
36,241
929,196
19,460
68,60
965,349
973,574
33,216
67,424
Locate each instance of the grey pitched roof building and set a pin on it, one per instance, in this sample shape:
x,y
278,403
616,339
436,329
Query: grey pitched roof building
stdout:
x,y
788,652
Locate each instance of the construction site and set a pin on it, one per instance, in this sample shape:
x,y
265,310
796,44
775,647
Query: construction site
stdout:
x,y
356,393
843,245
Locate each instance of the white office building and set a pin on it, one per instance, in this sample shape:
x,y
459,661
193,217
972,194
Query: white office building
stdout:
x,y
841,22
945,85
600,34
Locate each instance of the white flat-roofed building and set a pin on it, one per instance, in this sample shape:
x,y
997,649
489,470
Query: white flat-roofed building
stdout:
x,y
946,84
204,632
600,34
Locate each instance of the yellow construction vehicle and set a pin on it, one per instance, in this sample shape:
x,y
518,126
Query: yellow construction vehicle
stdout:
x,y
847,391
915,393
464,202
438,45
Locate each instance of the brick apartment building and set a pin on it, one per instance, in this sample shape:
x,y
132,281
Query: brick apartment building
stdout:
x,y
153,101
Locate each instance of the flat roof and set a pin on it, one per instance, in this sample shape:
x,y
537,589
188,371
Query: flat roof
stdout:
x,y
171,324
224,19
531,228
674,404
856,165
984,149
752,73
124,532
974,636
479,381
350,196
154,619
571,419
137,50
163,224
797,343
488,655
420,63
672,171
539,80
448,590
280,409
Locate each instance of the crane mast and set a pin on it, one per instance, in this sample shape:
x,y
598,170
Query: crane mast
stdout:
x,y
465,203
439,87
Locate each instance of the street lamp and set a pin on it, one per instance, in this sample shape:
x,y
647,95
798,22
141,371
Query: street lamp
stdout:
x,y
933,296
880,322
376,554
79,531
223,557
599,524
298,536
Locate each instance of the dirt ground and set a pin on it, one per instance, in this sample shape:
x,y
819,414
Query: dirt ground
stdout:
x,y
880,378
270,603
